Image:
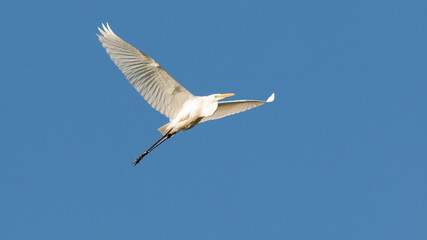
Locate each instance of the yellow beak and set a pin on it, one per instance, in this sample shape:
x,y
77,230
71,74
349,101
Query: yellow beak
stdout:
x,y
222,96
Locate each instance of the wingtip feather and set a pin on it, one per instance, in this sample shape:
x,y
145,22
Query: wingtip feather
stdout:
x,y
271,98
108,26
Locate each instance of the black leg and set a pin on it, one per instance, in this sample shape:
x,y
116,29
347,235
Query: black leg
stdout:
x,y
160,141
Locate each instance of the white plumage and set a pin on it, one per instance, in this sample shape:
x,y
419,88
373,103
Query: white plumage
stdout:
x,y
164,93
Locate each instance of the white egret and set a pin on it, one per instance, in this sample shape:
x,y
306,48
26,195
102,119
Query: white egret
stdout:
x,y
166,95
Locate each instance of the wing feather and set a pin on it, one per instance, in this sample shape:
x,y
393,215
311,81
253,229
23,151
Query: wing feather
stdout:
x,y
154,84
227,108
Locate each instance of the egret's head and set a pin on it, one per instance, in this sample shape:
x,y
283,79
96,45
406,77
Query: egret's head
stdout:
x,y
218,97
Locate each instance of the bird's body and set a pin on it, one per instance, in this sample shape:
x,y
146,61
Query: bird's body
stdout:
x,y
166,95
194,110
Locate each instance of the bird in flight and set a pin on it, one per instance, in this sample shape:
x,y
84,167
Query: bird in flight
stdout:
x,y
164,93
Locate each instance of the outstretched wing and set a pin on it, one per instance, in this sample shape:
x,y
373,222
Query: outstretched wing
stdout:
x,y
154,84
227,108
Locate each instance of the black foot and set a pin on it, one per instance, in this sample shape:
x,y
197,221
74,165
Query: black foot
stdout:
x,y
139,158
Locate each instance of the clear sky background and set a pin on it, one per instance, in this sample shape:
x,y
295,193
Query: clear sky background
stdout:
x,y
340,154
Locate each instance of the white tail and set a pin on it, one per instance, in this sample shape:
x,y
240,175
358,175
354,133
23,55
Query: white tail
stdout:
x,y
163,129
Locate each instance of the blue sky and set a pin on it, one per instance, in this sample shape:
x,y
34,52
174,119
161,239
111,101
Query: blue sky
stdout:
x,y
340,154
